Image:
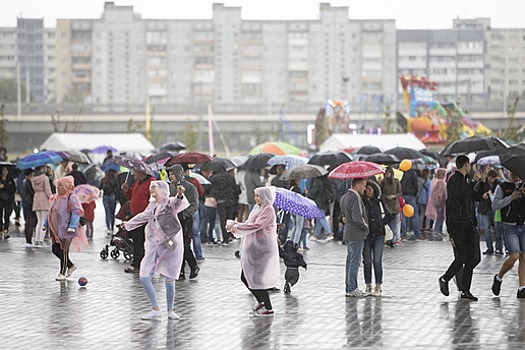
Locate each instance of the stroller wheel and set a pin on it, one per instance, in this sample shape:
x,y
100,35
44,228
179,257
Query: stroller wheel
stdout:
x,y
104,254
128,255
115,253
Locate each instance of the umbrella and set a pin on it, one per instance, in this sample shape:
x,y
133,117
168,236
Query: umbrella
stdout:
x,y
296,204
330,158
202,179
239,160
103,149
474,144
278,148
489,160
368,150
355,170
75,156
159,157
110,166
7,164
405,153
173,146
86,193
188,158
131,163
304,171
38,159
383,158
513,158
289,161
93,173
257,161
217,163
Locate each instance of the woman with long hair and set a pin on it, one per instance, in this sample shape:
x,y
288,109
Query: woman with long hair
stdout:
x,y
391,191
65,230
435,209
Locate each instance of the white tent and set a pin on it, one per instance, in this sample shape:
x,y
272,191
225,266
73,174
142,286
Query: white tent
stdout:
x,y
133,143
338,142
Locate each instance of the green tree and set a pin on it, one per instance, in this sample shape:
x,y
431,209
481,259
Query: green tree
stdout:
x,y
8,91
73,95
4,135
513,133
190,137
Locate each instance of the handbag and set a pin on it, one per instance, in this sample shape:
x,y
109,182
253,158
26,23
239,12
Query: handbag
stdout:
x,y
389,234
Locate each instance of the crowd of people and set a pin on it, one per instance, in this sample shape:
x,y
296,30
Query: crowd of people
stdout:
x,y
169,218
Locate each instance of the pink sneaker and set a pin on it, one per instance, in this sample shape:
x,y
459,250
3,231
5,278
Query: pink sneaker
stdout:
x,y
257,307
263,312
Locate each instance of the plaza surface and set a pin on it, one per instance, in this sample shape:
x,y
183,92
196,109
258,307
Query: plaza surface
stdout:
x,y
39,313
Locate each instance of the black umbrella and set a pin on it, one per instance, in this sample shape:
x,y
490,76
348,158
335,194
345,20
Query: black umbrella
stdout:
x,y
159,157
474,144
405,153
216,164
330,158
513,158
257,161
368,150
483,154
383,158
173,146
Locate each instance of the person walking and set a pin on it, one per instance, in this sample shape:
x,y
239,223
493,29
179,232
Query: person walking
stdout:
x,y
42,188
436,203
378,216
422,200
461,224
163,245
509,197
196,229
176,176
322,194
409,189
138,196
292,260
355,232
224,190
7,200
62,221
109,187
27,194
259,249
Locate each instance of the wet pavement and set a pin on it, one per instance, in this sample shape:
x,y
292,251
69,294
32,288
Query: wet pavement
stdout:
x,y
38,312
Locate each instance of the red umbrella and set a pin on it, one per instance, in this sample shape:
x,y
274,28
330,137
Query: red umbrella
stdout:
x,y
355,170
188,158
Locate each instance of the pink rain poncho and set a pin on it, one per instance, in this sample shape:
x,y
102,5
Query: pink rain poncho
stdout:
x,y
157,257
259,248
438,196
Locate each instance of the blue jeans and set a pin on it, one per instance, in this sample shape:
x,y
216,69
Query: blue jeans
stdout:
x,y
208,222
110,203
354,253
196,236
296,228
395,226
515,238
304,233
373,254
500,237
321,223
412,221
152,296
484,224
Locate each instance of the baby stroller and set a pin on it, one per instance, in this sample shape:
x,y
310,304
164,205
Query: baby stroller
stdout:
x,y
122,243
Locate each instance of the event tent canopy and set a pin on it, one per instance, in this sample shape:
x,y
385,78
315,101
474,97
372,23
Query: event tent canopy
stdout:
x,y
385,141
123,142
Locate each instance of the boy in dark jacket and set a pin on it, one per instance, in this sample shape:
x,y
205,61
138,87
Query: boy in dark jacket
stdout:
x,y
292,260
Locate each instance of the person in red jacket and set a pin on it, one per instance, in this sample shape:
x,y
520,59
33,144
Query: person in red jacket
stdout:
x,y
89,216
138,196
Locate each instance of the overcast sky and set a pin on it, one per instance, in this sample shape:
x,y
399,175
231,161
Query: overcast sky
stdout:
x,y
409,14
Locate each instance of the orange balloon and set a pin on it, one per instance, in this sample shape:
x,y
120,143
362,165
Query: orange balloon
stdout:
x,y
408,210
405,165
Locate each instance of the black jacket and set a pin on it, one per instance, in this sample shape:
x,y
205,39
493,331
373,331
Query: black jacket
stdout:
x,y
409,184
460,201
290,255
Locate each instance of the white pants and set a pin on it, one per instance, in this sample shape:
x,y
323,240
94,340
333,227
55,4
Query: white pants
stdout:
x,y
41,216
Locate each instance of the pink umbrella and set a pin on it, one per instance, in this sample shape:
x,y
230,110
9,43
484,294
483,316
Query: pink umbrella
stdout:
x,y
86,193
355,170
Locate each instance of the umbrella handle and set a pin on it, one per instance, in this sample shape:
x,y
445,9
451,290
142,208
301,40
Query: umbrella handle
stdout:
x,y
127,175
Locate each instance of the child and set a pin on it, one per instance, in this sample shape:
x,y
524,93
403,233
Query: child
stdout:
x,y
89,216
292,260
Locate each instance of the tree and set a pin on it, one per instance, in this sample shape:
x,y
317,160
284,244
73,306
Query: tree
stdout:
x,y
8,91
513,133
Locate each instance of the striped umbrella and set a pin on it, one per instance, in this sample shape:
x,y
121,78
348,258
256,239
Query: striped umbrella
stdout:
x,y
38,159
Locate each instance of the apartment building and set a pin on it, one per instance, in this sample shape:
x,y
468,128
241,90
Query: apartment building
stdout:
x,y
30,52
8,53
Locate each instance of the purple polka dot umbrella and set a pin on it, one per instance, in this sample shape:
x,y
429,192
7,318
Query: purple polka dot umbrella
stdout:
x,y
296,204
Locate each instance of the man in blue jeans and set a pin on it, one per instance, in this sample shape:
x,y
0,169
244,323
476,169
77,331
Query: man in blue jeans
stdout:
x,y
354,233
410,189
509,197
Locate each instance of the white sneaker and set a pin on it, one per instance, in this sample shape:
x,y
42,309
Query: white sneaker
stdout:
x,y
263,312
172,315
368,290
378,291
60,277
71,270
356,293
152,315
29,245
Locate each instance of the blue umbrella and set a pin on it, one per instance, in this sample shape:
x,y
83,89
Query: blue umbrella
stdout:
x,y
296,204
38,159
289,161
103,149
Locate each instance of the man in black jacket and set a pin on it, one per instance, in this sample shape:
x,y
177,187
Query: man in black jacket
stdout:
x,y
410,189
461,224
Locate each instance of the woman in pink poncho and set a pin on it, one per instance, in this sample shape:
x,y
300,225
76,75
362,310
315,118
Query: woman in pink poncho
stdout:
x,y
259,249
161,254
436,203
65,230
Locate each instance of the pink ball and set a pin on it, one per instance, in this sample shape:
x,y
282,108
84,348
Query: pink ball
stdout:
x,y
82,281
